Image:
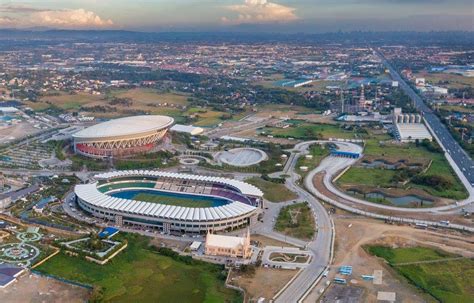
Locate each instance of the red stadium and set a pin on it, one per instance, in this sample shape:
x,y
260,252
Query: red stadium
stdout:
x,y
122,137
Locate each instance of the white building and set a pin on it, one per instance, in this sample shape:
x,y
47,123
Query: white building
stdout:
x,y
228,246
188,129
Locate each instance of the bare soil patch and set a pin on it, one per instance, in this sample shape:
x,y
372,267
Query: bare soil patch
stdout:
x,y
34,288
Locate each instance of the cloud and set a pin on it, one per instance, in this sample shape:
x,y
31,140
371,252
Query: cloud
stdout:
x,y
69,18
23,16
260,11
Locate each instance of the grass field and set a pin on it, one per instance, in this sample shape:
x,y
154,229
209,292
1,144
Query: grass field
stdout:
x,y
296,221
449,281
377,177
144,100
141,275
371,177
145,96
454,81
273,192
183,202
207,117
309,131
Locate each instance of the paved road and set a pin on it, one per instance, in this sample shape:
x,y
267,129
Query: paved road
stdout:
x,y
320,246
454,151
330,165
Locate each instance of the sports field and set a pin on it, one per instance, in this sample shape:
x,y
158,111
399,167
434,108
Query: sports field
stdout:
x,y
170,198
444,277
176,201
139,274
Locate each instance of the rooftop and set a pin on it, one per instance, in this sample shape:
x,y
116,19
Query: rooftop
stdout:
x,y
224,241
412,131
125,126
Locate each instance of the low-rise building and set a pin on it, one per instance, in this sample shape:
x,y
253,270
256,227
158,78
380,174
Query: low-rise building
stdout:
x,y
228,246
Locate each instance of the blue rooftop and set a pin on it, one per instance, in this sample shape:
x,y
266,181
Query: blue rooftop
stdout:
x,y
108,232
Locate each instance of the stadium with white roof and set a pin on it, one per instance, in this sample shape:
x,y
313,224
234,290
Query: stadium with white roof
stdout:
x,y
170,202
122,137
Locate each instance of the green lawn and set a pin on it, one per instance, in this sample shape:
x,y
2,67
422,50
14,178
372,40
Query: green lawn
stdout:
x,y
141,275
378,177
447,281
207,117
296,221
183,202
310,131
371,177
404,255
273,192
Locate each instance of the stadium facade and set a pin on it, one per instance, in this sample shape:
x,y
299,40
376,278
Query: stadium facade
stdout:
x,y
181,203
122,137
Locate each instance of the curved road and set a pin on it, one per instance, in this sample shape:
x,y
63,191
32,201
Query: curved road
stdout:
x,y
330,165
333,165
320,246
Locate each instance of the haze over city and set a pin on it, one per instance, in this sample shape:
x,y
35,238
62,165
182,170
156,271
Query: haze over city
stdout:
x,y
310,16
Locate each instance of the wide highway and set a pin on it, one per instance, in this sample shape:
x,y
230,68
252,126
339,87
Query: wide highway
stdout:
x,y
445,139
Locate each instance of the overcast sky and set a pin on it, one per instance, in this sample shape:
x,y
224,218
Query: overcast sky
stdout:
x,y
255,15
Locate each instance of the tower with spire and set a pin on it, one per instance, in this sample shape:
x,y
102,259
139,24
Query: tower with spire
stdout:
x,y
362,97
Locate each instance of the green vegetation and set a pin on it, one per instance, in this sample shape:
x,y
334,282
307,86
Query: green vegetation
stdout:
x,y
58,149
272,191
176,201
446,280
143,274
80,162
159,159
438,180
375,177
318,152
209,117
296,221
313,131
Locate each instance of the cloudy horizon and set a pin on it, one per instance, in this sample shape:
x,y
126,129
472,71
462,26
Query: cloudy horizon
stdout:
x,y
253,15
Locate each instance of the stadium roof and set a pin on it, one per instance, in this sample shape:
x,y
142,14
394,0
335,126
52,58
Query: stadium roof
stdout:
x,y
91,194
243,187
125,126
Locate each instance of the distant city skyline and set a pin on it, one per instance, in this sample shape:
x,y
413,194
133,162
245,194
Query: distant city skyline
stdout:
x,y
310,16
